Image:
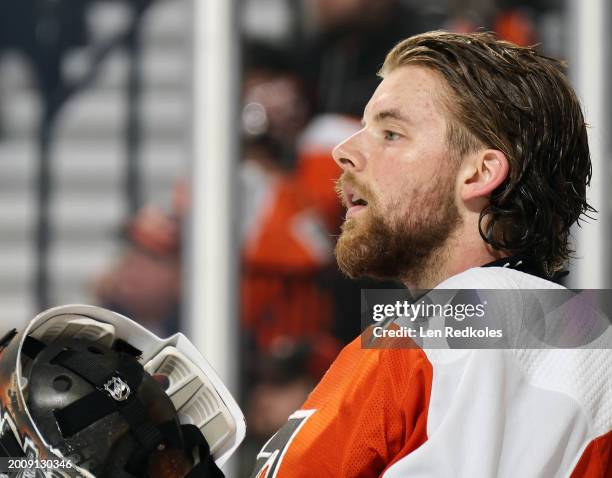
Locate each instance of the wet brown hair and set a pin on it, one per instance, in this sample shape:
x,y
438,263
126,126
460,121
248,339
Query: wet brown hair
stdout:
x,y
515,100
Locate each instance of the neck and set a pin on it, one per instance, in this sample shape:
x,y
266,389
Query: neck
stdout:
x,y
458,254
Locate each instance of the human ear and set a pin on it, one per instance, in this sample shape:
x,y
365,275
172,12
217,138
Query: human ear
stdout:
x,y
482,173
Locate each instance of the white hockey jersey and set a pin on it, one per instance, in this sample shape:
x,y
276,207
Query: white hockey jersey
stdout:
x,y
424,413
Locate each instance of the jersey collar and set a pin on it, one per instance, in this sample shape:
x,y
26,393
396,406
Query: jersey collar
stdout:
x,y
528,265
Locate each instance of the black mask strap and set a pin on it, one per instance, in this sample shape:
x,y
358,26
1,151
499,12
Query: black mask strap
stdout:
x,y
100,402
206,466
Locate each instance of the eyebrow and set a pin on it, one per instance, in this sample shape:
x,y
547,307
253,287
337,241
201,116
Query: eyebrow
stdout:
x,y
389,114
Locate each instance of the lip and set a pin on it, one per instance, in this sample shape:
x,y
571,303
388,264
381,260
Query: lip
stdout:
x,y
347,195
353,210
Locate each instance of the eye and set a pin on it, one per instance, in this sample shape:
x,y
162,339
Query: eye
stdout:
x,y
391,135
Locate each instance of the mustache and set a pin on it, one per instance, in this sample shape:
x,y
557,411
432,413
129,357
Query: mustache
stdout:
x,y
362,190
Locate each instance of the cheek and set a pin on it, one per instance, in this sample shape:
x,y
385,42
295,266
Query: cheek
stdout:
x,y
395,180
390,180
403,178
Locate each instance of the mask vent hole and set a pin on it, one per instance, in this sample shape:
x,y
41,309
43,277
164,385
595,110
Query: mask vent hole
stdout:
x,y
62,383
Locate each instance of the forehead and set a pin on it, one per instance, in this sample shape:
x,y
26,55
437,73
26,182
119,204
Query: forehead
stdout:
x,y
415,91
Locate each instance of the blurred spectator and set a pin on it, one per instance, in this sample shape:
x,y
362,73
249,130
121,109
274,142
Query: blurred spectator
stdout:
x,y
285,245
289,213
145,282
275,101
285,241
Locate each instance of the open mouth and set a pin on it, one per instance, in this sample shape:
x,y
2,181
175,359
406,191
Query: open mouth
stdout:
x,y
355,204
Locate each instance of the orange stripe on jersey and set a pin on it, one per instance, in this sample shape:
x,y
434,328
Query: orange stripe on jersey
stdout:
x,y
370,411
596,461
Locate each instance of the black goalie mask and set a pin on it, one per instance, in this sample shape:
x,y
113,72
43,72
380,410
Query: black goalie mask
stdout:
x,y
90,392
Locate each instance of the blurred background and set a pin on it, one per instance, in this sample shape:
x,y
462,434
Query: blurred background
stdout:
x,y
170,160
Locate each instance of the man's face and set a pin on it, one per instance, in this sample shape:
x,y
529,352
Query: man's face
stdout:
x,y
399,180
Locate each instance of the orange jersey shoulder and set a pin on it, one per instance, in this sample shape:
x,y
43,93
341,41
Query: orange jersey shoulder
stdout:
x,y
369,410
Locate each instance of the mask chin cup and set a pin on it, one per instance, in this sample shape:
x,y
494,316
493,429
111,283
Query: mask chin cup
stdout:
x,y
195,398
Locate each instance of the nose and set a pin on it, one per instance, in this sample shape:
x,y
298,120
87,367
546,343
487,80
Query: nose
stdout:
x,y
349,154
